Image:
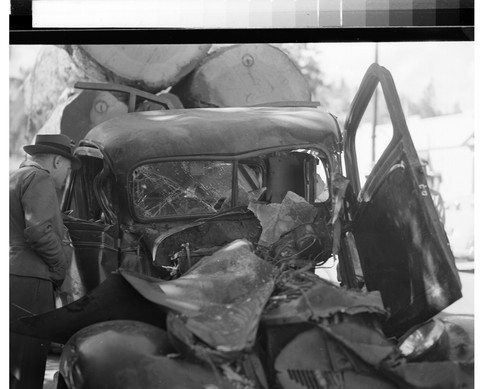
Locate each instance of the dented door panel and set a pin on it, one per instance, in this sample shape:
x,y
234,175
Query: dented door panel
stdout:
x,y
403,248
96,253
90,219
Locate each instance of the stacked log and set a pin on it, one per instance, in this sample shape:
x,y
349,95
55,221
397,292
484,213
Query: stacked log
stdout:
x,y
53,105
243,75
234,75
53,73
151,68
81,110
18,121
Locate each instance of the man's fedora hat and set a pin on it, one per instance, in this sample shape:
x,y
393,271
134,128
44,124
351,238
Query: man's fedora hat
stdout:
x,y
54,144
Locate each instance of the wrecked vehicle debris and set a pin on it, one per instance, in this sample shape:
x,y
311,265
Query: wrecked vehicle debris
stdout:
x,y
278,219
219,300
214,220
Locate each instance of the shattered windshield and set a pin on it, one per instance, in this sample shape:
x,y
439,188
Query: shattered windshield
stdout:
x,y
164,189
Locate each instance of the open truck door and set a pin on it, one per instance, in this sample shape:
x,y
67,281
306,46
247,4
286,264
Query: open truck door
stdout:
x,y
403,249
90,219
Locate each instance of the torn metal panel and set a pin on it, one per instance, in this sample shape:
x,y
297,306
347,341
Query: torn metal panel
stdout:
x,y
402,254
460,331
366,342
339,188
373,348
278,219
73,287
96,254
433,375
303,296
446,337
315,360
220,299
239,381
401,242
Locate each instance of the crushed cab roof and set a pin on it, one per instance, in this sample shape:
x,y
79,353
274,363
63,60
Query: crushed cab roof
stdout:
x,y
132,138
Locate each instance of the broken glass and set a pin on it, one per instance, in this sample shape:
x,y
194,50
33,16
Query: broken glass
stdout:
x,y
191,187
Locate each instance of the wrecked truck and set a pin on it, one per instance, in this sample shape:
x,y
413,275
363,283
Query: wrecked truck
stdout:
x,y
197,233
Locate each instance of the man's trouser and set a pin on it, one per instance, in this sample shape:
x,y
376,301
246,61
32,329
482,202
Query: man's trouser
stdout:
x,y
28,355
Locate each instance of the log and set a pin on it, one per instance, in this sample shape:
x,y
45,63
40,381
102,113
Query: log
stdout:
x,y
151,68
243,75
18,122
231,76
147,67
81,111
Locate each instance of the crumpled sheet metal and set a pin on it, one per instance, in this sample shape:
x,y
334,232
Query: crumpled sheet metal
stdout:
x,y
433,375
324,363
278,219
367,343
340,184
460,332
313,298
72,288
373,348
220,299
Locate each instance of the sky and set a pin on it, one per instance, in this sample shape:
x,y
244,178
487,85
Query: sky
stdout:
x,y
449,65
21,56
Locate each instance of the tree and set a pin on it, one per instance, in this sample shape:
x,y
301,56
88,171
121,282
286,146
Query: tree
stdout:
x,y
426,106
304,55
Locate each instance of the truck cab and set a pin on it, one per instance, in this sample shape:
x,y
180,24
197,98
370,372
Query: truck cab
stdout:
x,y
161,194
156,185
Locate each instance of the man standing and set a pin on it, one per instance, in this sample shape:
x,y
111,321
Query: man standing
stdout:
x,y
37,260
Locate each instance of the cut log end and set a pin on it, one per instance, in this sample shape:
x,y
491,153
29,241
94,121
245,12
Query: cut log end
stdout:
x,y
150,67
243,75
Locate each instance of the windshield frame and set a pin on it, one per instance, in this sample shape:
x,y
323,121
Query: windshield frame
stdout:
x,y
235,160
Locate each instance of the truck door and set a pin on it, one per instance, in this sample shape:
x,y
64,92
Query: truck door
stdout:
x,y
402,246
90,220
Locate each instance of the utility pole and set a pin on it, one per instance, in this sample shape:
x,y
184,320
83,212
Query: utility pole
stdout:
x,y
375,103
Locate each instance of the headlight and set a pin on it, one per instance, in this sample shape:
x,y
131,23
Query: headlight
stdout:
x,y
428,342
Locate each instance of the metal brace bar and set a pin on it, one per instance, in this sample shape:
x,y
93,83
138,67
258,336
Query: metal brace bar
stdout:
x,y
167,100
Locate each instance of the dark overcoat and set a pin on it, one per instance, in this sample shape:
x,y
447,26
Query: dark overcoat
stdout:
x,y
36,225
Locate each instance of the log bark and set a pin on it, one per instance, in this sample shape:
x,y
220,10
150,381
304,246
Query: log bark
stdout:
x,y
151,68
81,111
243,75
18,123
237,75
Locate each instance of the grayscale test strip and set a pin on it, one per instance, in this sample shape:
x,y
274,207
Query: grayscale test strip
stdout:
x,y
248,13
